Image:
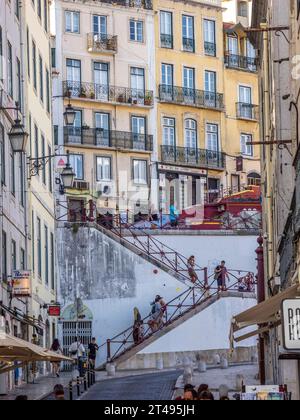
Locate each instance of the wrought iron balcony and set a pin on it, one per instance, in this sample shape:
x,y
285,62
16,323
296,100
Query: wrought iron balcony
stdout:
x,y
233,61
98,137
188,44
166,41
101,93
191,97
194,157
210,48
247,111
145,4
98,43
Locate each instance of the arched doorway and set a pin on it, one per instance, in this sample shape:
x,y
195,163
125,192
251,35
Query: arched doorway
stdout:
x,y
254,179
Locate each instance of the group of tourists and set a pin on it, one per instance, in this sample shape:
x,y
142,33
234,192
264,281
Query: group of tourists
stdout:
x,y
220,273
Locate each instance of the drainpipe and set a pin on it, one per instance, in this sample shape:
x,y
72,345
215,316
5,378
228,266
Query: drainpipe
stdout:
x,y
261,298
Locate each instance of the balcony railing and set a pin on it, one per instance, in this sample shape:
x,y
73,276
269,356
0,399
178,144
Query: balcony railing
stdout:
x,y
107,138
191,97
241,62
193,157
210,48
166,41
145,4
98,43
247,111
103,93
188,44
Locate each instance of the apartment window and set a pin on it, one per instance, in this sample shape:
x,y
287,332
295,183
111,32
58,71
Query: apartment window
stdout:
x,y
2,155
12,173
46,255
39,8
210,37
76,162
212,137
169,132
48,90
19,83
104,168
210,88
72,22
4,255
166,29
13,255
43,141
17,8
34,67
22,259
39,245
50,180
246,149
41,79
10,70
188,40
140,172
243,9
22,179
46,15
52,261
136,30
100,25
190,133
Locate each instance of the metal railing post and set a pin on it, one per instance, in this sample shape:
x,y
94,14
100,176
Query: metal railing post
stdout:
x,y
108,350
205,277
71,390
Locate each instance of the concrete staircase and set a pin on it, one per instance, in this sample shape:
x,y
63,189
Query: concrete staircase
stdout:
x,y
184,315
155,252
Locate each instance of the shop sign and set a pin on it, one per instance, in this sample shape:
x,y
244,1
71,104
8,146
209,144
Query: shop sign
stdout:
x,y
291,324
21,283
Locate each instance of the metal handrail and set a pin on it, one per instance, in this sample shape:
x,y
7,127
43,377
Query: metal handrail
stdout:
x,y
153,247
125,337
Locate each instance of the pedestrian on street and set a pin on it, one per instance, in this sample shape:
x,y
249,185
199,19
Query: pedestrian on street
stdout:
x,y
206,396
56,348
77,352
93,348
190,395
221,274
191,264
59,393
173,216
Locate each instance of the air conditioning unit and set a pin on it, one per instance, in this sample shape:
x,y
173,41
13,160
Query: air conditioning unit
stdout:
x,y
81,185
105,191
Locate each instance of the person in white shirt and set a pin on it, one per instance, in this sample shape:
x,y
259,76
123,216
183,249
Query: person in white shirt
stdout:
x,y
77,351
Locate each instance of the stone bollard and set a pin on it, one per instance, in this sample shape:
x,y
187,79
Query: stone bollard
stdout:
x,y
159,363
111,369
202,366
224,363
186,362
187,376
223,391
216,359
239,382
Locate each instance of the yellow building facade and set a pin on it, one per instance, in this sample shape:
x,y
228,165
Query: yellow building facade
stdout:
x,y
206,111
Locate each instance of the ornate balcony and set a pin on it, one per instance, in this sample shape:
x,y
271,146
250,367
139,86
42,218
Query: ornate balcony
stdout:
x,y
98,43
188,44
199,158
247,111
191,97
113,94
145,4
210,48
241,62
166,41
98,137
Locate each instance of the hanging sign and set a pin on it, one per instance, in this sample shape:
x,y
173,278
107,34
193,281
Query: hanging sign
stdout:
x,y
54,310
21,283
291,324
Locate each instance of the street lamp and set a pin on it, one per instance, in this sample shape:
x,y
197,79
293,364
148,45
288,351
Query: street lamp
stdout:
x,y
69,115
68,176
18,137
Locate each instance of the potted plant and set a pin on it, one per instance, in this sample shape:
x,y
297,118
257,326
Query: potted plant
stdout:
x,y
92,95
121,98
148,99
82,93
